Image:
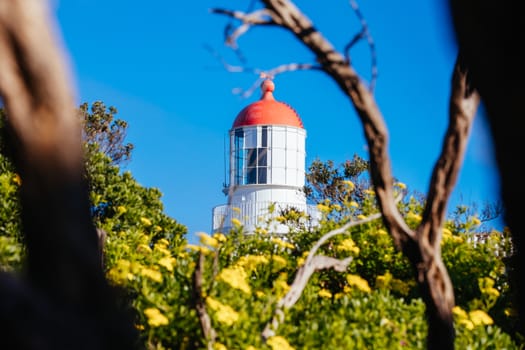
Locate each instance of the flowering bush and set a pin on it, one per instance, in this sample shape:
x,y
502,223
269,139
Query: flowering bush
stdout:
x,y
372,304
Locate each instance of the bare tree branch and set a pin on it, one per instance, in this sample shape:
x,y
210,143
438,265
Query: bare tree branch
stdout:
x,y
262,74
421,246
364,33
312,264
258,17
200,304
316,263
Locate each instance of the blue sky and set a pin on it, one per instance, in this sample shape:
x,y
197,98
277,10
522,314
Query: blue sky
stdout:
x,y
148,60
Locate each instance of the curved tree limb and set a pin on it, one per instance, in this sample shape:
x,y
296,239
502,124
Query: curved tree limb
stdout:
x,y
312,264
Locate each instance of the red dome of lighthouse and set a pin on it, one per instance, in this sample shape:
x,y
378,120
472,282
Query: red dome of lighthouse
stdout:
x,y
267,111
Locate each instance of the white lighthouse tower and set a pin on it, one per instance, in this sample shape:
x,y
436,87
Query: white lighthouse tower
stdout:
x,y
267,166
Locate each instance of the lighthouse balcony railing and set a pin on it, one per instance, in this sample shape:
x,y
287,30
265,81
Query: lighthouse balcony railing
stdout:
x,y
251,215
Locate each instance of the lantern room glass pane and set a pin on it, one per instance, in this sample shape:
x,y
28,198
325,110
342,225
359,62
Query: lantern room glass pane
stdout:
x,y
251,175
262,179
250,136
264,137
261,157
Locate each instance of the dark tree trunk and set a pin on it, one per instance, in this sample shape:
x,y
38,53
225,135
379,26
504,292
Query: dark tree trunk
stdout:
x,y
491,36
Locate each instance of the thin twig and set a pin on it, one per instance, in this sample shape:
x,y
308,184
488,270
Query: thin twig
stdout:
x,y
364,33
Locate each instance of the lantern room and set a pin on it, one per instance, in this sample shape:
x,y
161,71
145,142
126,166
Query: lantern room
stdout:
x,y
266,164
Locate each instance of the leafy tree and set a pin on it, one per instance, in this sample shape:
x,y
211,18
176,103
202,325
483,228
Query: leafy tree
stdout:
x,y
118,202
101,132
326,181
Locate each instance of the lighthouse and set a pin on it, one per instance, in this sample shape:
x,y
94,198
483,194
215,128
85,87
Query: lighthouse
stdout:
x,y
266,167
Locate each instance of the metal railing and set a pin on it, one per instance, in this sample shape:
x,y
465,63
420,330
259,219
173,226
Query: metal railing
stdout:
x,y
252,214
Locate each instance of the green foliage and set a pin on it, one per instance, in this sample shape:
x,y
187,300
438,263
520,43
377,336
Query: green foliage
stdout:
x,y
325,181
373,304
11,247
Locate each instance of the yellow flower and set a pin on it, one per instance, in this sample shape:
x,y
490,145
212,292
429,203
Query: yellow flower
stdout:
x,y
401,185
162,249
382,232
157,228
250,262
197,248
349,184
143,248
220,237
219,346
459,312
446,232
480,318
476,221
224,313
369,192
282,243
251,348
236,222
236,277
155,317
457,239
259,294
466,323
413,218
167,262
236,210
145,221
279,343
361,217
153,275
208,240
120,273
163,242
17,180
348,245
121,209
353,204
510,312
360,283
278,262
324,293
323,208
383,281
281,287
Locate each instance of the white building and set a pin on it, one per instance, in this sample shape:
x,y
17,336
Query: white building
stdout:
x,y
267,166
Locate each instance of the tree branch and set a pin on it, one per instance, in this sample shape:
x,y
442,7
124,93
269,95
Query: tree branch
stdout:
x,y
258,17
316,263
364,33
200,304
312,263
